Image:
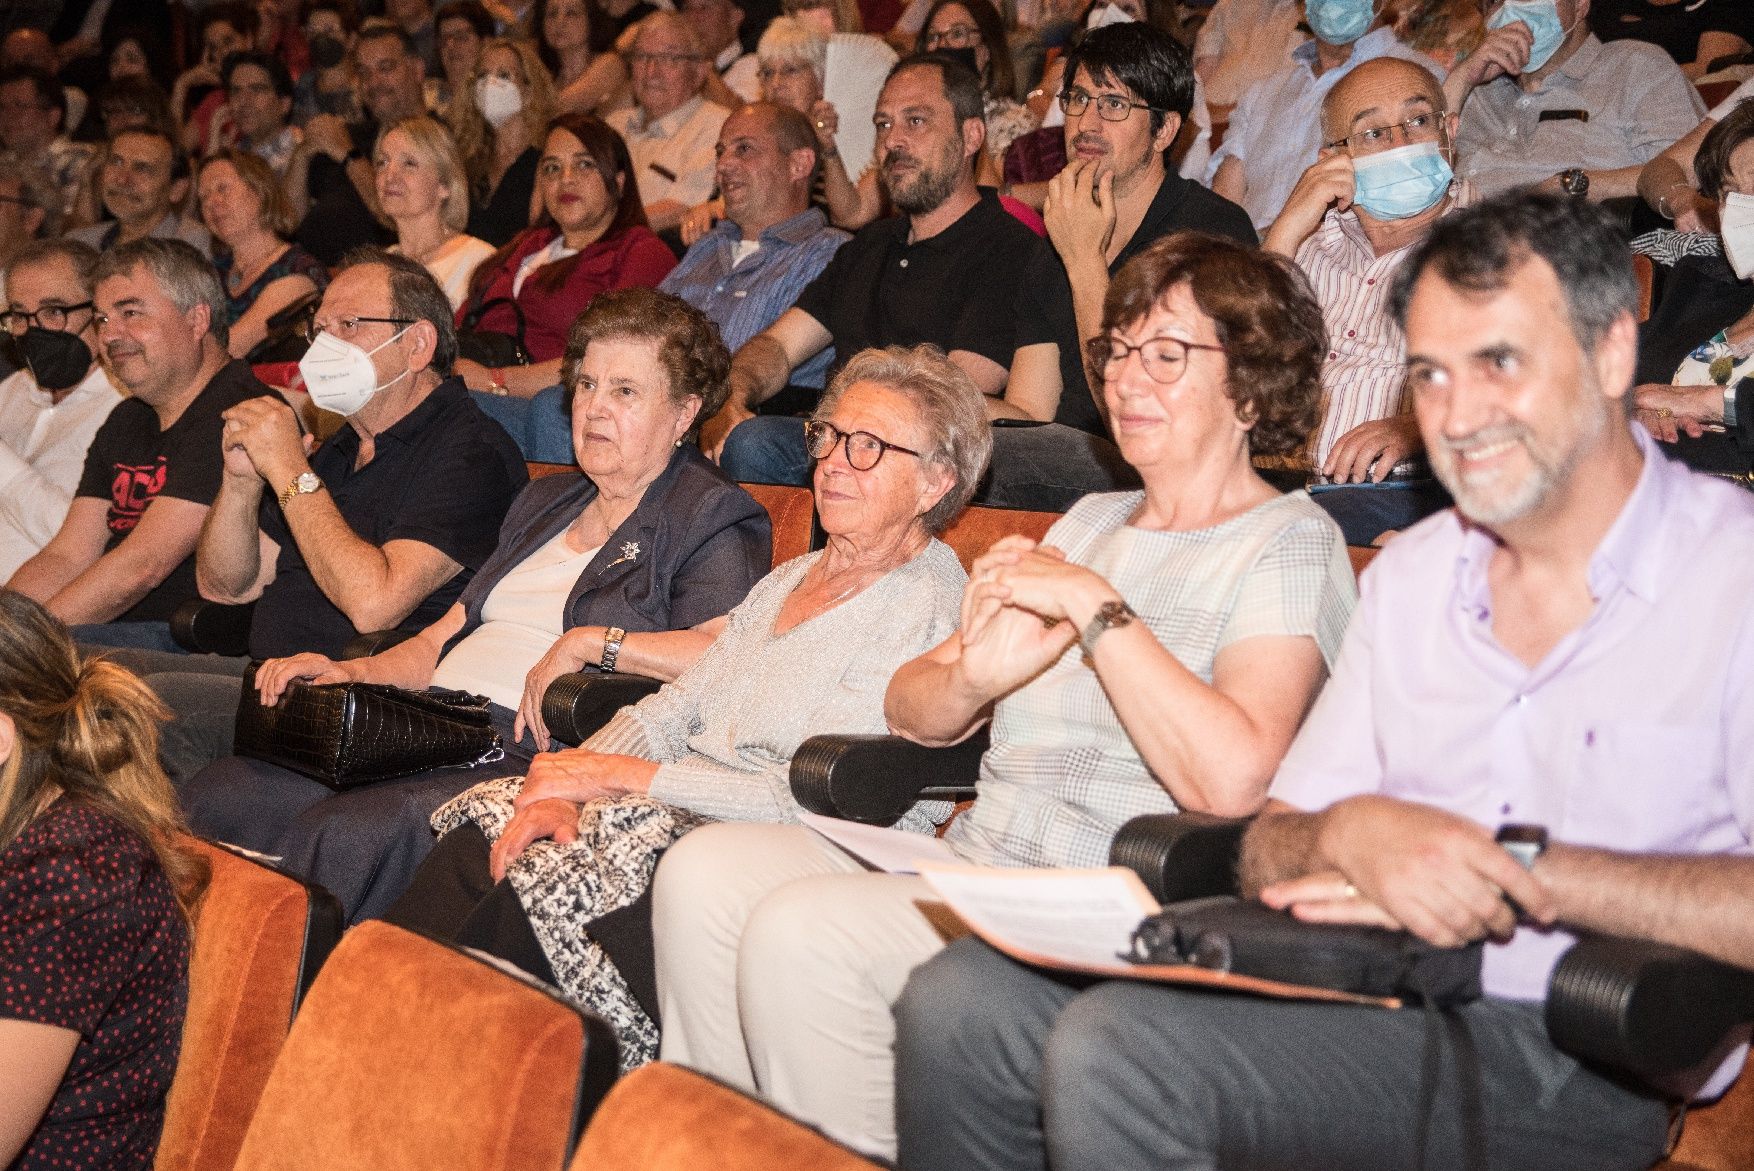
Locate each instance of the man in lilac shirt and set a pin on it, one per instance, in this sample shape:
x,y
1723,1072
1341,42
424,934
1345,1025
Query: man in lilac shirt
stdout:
x,y
1568,651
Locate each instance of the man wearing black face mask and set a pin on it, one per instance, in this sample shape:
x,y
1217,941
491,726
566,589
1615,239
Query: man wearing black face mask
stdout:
x,y
54,404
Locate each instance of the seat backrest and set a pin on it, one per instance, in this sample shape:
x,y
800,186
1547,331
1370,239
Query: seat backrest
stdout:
x,y
538,470
1718,1137
259,938
666,1118
1361,556
792,511
974,532
411,1054
1646,274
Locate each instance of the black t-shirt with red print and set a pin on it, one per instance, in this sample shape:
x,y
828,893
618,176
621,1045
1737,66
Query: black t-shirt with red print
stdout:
x,y
91,939
131,463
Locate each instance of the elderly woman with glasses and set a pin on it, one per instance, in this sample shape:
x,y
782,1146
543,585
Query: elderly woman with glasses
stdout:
x,y
1155,652
550,871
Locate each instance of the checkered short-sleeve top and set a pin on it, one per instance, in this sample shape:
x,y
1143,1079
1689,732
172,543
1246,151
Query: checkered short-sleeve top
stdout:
x,y
1062,775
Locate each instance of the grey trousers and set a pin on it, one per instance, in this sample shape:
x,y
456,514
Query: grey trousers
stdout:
x,y
1002,1066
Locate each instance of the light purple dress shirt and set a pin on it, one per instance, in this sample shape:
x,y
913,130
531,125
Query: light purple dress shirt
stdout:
x,y
1634,733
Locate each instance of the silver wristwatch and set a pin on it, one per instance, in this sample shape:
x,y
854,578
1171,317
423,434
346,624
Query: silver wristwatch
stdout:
x,y
611,648
302,485
1108,616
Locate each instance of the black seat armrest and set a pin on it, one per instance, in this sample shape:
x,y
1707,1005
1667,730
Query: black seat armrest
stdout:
x,y
1181,855
212,628
876,779
364,646
1645,1008
576,705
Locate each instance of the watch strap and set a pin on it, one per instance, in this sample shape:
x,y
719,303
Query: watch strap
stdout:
x,y
1730,393
1109,615
302,485
611,648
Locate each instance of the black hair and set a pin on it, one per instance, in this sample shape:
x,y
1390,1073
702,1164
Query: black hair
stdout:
x,y
1478,248
1712,163
273,66
1146,60
961,87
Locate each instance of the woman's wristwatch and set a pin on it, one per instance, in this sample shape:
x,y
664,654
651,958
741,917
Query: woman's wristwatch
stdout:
x,y
611,648
1109,615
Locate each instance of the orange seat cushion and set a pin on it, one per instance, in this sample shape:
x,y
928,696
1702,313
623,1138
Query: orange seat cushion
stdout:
x,y
243,978
1718,1137
974,532
666,1118
410,1056
792,511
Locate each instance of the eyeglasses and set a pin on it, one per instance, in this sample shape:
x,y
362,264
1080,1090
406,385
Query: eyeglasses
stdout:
x,y
1415,129
674,60
863,448
957,36
18,199
52,317
1109,107
346,327
783,69
1165,358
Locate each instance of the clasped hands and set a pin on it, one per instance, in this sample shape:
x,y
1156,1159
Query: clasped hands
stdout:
x,y
262,441
1022,609
1405,866
557,784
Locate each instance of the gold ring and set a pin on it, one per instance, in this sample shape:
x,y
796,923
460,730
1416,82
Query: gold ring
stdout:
x,y
820,125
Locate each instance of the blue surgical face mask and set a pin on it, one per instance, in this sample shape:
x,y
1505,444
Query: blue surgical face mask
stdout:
x,y
1542,18
1403,182
1339,22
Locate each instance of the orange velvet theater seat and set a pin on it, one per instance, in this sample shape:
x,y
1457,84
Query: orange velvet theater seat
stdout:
x,y
259,938
411,1055
1718,1137
666,1118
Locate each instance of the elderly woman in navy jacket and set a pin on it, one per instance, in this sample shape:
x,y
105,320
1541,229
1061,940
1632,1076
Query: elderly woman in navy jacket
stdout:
x,y
633,562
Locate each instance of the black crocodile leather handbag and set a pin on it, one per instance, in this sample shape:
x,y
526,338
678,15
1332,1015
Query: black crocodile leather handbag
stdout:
x,y
351,734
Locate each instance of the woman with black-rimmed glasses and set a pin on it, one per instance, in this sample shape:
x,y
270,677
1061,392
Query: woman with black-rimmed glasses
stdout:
x,y
544,869
1155,652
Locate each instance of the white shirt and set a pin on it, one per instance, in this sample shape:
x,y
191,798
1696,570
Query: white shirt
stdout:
x,y
673,157
42,452
454,263
520,620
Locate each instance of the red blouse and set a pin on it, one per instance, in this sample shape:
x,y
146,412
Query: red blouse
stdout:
x,y
631,259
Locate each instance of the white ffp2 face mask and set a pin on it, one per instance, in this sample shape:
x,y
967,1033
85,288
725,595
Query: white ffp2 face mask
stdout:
x,y
1737,228
339,376
500,100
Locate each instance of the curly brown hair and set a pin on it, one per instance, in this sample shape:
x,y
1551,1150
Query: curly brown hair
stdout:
x,y
693,356
1266,318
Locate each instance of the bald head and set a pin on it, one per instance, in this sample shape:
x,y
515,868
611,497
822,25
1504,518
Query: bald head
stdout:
x,y
28,46
1380,92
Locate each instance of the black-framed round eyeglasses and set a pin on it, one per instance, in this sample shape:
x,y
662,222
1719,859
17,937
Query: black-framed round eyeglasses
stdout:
x,y
863,448
1165,358
53,317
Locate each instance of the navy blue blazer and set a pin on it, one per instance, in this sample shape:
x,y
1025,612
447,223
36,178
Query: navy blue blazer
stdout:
x,y
688,553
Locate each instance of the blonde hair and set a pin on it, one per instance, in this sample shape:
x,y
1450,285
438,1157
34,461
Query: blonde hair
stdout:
x,y
474,136
433,143
85,730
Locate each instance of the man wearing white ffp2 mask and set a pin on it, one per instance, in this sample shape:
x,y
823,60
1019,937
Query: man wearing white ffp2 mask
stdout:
x,y
1544,102
379,526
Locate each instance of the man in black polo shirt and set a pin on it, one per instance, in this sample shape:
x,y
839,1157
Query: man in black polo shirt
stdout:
x,y
946,271
123,560
330,179
381,527
1128,89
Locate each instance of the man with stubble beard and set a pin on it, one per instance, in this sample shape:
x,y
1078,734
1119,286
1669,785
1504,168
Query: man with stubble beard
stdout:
x,y
944,271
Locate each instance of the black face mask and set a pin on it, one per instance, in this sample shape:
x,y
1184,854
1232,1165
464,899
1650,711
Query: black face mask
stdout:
x,y
327,52
964,56
57,360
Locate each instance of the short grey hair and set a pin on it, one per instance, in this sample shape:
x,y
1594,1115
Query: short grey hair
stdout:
x,y
37,186
954,412
789,39
187,277
414,294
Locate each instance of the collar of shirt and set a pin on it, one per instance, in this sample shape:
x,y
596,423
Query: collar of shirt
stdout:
x,y
446,395
793,230
1374,43
1577,67
669,124
1634,554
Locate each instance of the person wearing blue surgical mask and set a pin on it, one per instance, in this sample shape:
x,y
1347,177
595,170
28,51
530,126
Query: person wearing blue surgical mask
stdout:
x,y
1340,22
1543,102
1384,176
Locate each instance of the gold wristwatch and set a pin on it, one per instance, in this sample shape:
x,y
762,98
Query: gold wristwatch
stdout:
x,y
302,484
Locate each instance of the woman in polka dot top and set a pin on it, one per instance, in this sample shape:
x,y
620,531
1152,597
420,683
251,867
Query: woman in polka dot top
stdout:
x,y
94,897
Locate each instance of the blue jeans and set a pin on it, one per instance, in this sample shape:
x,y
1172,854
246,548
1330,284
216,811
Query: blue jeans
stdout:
x,y
147,636
1365,512
541,426
768,449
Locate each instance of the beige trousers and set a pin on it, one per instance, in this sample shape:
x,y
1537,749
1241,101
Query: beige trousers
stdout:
x,y
778,960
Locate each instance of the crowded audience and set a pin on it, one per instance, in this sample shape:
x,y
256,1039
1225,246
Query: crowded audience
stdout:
x,y
503,342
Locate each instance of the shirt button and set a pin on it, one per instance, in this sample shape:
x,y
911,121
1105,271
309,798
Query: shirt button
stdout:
x,y
1332,354
1352,333
1522,700
904,262
1370,280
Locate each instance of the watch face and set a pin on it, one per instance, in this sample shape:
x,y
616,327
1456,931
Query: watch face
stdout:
x,y
308,482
